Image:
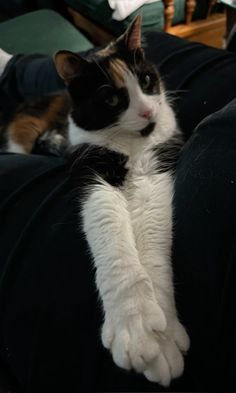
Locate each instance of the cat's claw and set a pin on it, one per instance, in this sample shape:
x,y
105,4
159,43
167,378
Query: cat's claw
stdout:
x,y
132,339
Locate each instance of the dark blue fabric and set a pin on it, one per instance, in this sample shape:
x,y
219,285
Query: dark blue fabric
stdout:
x,y
204,247
49,309
30,75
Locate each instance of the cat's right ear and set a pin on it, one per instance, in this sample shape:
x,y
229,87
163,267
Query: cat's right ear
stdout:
x,y
68,65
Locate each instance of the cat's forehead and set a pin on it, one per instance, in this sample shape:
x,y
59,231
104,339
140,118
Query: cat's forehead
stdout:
x,y
117,69
111,68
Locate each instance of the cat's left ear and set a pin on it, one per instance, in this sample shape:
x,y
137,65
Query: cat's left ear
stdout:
x,y
132,36
68,65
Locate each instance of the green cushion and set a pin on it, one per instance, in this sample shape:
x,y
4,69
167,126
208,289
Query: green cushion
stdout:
x,y
42,31
100,12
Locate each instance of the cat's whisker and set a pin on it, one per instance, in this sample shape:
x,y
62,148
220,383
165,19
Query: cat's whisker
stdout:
x,y
177,91
173,95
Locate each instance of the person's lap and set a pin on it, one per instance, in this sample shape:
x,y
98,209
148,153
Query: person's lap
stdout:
x,y
50,315
204,247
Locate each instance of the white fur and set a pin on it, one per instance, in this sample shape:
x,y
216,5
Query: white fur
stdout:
x,y
129,231
139,102
15,148
4,58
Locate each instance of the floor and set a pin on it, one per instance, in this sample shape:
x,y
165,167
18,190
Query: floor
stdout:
x,y
210,32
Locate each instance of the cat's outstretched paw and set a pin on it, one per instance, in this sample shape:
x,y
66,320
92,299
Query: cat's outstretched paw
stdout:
x,y
169,364
132,338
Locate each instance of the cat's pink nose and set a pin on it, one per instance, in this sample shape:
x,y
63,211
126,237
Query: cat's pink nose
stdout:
x,y
146,114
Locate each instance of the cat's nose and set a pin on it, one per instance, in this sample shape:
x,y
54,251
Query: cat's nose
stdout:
x,y
147,114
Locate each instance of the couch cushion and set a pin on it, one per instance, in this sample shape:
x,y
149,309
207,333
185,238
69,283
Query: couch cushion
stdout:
x,y
100,12
42,31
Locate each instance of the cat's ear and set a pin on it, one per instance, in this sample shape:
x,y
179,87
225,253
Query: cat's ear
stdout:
x,y
132,36
68,65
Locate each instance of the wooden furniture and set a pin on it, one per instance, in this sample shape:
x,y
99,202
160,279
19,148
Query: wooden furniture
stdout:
x,y
170,10
169,13
210,30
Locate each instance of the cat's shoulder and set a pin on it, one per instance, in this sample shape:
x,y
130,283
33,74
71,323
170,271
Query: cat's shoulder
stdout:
x,y
89,162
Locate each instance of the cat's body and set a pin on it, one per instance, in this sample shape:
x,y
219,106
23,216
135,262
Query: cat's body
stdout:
x,y
120,113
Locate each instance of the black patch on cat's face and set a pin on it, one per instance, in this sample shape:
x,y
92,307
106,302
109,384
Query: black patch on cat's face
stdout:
x,y
91,93
94,91
142,67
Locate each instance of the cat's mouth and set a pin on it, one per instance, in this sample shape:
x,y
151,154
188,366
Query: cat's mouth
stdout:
x,y
148,129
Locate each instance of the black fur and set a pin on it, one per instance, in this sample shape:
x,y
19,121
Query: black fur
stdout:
x,y
148,130
89,94
167,153
87,162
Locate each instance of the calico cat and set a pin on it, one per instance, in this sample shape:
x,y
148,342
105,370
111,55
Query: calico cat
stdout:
x,y
30,122
128,141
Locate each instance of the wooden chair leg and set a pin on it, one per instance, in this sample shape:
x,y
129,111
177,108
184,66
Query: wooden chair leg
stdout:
x,y
190,7
169,13
211,5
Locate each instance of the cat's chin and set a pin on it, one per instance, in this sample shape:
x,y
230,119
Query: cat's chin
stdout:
x,y
148,129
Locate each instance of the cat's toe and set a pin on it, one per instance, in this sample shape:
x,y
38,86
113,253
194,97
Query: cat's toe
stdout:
x,y
169,364
180,336
134,343
120,350
156,320
159,371
173,357
134,347
108,332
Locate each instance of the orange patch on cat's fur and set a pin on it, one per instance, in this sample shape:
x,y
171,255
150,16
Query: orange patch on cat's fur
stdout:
x,y
25,128
117,69
107,51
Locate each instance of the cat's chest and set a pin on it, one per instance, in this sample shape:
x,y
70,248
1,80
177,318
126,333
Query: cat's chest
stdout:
x,y
117,169
141,166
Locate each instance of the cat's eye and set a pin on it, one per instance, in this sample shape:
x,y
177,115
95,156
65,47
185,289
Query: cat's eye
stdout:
x,y
146,82
112,100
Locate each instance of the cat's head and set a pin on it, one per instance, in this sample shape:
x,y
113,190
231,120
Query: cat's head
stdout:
x,y
115,88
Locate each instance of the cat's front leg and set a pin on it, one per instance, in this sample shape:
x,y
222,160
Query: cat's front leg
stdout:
x,y
151,212
132,316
